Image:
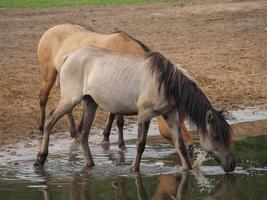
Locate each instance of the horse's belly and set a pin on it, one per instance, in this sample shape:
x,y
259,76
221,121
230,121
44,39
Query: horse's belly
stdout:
x,y
115,105
114,97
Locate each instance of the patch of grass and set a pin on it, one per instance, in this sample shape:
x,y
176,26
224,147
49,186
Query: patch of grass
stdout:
x,y
250,152
70,3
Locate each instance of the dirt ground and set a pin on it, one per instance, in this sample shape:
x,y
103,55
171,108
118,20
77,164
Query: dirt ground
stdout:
x,y
223,45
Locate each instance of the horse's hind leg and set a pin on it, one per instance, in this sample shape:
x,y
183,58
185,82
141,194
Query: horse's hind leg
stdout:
x,y
173,122
72,126
62,108
143,125
107,130
108,127
49,77
88,116
120,124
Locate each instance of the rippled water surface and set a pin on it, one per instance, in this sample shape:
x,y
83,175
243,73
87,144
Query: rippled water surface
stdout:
x,y
64,177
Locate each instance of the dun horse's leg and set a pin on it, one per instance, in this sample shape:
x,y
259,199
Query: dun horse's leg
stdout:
x,y
62,108
71,124
88,116
49,78
143,126
108,127
120,124
173,122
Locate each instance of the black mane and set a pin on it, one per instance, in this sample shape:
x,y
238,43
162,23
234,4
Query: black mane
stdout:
x,y
187,96
143,46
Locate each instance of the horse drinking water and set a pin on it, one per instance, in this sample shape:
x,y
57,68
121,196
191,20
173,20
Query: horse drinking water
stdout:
x,y
146,85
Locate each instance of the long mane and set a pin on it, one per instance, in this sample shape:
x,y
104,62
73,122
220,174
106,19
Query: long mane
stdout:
x,y
187,96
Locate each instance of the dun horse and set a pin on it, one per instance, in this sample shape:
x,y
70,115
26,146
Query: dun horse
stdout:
x,y
146,85
63,39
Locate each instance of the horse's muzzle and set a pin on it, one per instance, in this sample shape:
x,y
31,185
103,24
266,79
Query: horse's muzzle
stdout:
x,y
230,166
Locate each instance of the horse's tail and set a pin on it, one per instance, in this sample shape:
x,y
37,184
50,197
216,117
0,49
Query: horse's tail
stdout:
x,y
61,62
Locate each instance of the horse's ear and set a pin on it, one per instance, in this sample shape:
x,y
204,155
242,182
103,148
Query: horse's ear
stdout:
x,y
209,116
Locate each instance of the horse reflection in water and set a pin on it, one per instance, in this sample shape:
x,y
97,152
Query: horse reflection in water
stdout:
x,y
168,187
172,186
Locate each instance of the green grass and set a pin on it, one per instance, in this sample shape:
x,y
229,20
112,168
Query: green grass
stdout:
x,y
250,152
69,3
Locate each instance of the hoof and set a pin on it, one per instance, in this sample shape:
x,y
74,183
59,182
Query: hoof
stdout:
x,y
89,165
105,145
134,168
122,147
38,163
73,134
40,159
105,142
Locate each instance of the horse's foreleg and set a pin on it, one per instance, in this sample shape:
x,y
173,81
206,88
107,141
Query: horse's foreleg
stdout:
x,y
71,124
173,122
88,116
62,108
47,84
120,124
108,127
143,126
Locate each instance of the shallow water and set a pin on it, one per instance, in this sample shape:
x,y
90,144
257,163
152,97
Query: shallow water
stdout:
x,y
64,177
248,114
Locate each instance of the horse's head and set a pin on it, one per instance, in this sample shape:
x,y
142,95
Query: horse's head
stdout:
x,y
217,139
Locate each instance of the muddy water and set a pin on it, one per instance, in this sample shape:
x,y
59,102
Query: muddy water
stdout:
x,y
64,176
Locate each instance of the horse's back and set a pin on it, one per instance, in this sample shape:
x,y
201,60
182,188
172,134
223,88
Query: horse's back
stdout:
x,y
51,41
120,42
65,38
80,39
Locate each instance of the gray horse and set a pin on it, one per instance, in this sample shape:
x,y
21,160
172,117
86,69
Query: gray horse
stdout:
x,y
145,85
